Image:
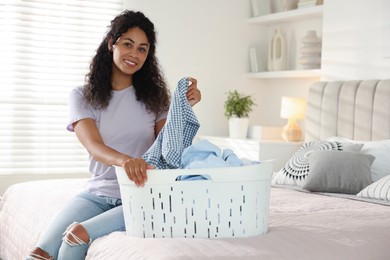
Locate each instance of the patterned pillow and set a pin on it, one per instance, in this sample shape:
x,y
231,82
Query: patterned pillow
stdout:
x,y
297,168
379,190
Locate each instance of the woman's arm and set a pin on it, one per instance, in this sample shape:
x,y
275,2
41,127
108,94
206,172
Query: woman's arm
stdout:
x,y
89,136
159,125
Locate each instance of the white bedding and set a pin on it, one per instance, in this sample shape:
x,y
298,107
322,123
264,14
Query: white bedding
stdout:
x,y
301,226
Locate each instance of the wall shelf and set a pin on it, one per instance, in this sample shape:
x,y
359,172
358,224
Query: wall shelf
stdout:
x,y
316,73
288,16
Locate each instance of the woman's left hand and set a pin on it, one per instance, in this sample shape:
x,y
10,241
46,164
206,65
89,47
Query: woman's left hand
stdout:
x,y
193,93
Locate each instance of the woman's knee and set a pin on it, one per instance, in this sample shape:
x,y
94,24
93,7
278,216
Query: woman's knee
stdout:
x,y
76,235
39,254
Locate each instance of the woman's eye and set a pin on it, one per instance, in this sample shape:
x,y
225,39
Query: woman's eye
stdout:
x,y
142,49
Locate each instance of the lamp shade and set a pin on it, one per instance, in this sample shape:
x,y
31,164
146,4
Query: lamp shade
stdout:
x,y
292,108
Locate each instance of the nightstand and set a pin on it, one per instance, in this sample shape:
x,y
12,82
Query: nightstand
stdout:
x,y
259,150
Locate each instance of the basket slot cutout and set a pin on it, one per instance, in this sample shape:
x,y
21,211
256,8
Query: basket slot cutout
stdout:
x,y
194,227
257,211
130,207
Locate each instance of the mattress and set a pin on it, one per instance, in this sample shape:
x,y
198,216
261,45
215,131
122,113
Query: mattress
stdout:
x,y
302,225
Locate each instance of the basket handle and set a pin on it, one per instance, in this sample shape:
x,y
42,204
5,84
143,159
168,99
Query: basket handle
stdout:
x,y
227,174
194,177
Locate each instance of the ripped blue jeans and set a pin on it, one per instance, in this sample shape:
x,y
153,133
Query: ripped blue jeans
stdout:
x,y
98,215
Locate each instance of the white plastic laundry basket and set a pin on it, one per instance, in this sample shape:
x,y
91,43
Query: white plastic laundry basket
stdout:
x,y
233,203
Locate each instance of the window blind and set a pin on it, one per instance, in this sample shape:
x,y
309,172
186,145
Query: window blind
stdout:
x,y
45,50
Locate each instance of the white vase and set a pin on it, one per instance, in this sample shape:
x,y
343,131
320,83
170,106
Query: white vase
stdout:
x,y
289,4
310,51
238,127
277,52
260,7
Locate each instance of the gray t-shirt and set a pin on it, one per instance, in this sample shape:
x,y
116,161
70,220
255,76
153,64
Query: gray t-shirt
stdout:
x,y
125,125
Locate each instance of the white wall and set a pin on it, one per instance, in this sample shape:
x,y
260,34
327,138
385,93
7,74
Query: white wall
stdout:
x,y
209,40
356,39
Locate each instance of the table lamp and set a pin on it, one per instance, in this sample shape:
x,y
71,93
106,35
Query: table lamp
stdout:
x,y
292,109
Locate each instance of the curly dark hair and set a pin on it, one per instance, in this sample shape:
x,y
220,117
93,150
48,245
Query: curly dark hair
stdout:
x,y
148,82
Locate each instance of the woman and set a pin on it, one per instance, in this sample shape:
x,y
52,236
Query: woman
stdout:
x,y
116,116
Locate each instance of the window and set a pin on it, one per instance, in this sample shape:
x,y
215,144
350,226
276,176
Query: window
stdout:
x,y
45,50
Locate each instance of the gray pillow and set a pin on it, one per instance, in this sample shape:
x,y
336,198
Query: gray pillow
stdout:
x,y
338,172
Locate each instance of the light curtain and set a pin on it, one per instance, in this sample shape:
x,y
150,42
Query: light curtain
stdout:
x,y
45,50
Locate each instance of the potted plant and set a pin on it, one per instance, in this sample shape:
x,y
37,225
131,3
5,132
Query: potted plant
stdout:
x,y
237,109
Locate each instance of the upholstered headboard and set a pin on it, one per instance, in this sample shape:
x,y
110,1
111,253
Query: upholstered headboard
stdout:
x,y
358,110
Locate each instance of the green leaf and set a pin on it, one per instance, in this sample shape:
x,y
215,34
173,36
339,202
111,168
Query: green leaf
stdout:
x,y
238,105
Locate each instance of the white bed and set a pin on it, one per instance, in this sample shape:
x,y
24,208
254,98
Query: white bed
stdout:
x,y
302,224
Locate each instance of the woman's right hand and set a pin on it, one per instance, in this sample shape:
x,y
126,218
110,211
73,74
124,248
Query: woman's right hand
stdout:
x,y
136,170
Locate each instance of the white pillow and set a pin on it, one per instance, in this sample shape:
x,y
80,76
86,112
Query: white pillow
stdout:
x,y
379,149
379,190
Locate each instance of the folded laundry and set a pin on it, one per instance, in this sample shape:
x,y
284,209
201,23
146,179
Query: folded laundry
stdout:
x,y
204,154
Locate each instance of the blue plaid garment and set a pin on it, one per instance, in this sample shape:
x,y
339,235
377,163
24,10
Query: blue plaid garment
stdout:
x,y
177,134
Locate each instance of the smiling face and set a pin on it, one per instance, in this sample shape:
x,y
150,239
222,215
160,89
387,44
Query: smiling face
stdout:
x,y
130,52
